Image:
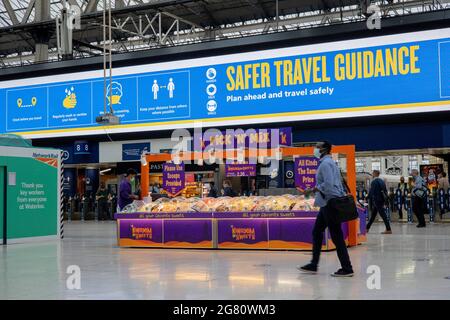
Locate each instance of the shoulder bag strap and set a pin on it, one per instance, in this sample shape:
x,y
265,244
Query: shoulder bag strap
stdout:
x,y
344,182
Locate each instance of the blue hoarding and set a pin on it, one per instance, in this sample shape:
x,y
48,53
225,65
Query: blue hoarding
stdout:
x,y
80,152
301,84
133,151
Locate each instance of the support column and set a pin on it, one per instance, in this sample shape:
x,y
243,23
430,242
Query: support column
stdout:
x,y
41,37
405,165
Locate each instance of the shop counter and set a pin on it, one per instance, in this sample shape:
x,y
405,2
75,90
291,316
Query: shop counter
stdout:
x,y
287,230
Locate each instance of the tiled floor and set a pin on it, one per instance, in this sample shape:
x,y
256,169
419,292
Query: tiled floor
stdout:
x,y
414,264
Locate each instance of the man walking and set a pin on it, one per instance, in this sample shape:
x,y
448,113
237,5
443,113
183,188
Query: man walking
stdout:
x,y
328,186
377,200
419,196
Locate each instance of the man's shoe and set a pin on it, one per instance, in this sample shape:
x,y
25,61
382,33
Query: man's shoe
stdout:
x,y
387,232
309,268
421,226
342,273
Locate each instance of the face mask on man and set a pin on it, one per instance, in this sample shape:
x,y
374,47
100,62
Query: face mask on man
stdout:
x,y
317,153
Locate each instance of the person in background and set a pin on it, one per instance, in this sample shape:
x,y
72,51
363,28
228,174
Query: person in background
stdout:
x,y
402,186
102,201
252,187
329,186
212,190
227,189
443,181
126,195
377,202
155,188
419,195
444,185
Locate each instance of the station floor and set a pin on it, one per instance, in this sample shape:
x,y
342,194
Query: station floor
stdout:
x,y
414,264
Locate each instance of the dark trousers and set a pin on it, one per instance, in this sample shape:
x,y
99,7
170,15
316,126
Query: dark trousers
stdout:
x,y
419,208
400,213
378,209
322,222
103,210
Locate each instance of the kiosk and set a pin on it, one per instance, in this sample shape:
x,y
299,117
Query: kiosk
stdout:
x,y
273,230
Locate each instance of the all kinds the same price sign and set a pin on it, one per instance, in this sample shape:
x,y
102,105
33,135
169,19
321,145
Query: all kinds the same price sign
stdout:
x,y
305,172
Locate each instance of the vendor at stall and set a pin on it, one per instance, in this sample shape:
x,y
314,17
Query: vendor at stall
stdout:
x,y
126,195
227,189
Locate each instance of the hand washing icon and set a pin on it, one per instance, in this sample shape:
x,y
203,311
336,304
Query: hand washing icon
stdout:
x,y
70,101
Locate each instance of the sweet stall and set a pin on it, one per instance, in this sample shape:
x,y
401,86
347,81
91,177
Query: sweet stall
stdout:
x,y
282,222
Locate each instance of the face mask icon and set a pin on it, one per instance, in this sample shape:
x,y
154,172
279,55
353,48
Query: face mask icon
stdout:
x,y
114,92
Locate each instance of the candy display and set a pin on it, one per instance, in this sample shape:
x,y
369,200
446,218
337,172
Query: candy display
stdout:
x,y
228,204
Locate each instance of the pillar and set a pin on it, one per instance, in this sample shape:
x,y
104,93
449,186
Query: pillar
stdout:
x,y
41,37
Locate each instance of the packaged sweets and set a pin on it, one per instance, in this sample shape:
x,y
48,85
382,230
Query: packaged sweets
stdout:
x,y
228,204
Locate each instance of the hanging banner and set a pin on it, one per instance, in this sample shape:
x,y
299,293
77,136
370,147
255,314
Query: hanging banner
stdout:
x,y
133,151
240,170
173,178
409,72
240,138
305,172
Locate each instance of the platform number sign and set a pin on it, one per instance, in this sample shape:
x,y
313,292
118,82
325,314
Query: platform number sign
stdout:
x,y
81,147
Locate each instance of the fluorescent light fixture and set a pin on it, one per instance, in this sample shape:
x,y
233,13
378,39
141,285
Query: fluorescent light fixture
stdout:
x,y
101,172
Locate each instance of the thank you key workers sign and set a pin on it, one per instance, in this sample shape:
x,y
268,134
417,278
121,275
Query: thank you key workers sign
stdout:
x,y
173,178
305,172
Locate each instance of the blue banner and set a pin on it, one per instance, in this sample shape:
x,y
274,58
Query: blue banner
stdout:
x,y
133,151
381,79
70,182
76,153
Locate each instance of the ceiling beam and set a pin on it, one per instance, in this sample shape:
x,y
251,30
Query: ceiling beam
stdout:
x,y
11,12
91,6
28,11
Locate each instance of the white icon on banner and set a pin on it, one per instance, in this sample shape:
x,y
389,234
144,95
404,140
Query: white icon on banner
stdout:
x,y
171,88
211,89
155,89
114,93
211,73
211,105
65,155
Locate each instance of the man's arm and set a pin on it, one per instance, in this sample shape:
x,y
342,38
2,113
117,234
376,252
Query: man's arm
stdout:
x,y
326,186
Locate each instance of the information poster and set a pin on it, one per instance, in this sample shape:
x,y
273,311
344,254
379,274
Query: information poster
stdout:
x,y
163,96
305,172
173,178
240,170
121,97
